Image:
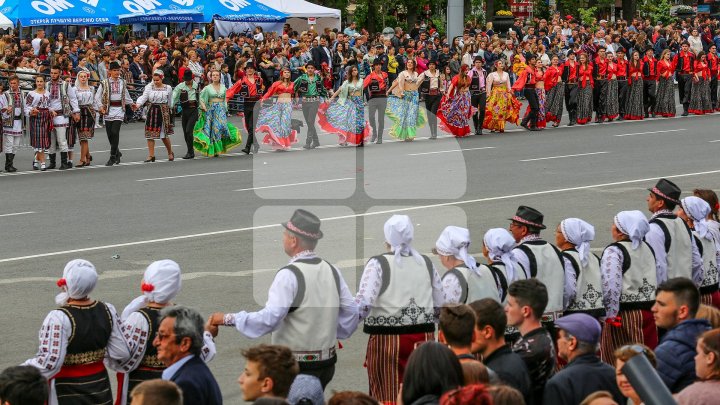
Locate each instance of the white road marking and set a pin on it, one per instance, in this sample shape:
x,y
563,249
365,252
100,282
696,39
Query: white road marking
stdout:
x,y
17,213
194,175
123,150
449,151
563,156
652,132
297,184
717,140
367,214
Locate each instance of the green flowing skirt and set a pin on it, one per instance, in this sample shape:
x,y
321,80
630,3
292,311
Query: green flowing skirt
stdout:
x,y
213,133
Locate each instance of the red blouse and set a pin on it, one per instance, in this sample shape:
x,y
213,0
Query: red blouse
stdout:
x,y
635,72
585,75
665,69
279,88
702,69
552,77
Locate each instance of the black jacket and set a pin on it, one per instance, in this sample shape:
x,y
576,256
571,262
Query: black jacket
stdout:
x,y
319,56
580,378
511,370
197,383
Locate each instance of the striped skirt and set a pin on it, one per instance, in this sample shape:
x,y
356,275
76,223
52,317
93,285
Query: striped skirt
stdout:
x,y
665,101
159,123
554,103
637,327
86,390
634,103
612,105
386,359
584,105
41,126
85,128
711,299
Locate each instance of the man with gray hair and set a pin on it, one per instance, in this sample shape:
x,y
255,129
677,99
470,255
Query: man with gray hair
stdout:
x,y
179,341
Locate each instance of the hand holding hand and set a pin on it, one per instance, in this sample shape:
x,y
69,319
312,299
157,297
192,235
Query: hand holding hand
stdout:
x,y
76,117
213,329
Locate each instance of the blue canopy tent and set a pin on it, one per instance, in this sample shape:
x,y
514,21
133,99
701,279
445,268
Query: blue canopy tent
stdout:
x,y
62,12
200,11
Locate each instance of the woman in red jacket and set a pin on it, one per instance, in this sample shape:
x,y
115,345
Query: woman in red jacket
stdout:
x,y
665,99
585,90
700,103
612,105
555,92
634,103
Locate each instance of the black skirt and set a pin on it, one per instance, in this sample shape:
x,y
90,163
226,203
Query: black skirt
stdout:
x,y
89,390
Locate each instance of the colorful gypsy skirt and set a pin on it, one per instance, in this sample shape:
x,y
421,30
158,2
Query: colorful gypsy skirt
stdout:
x,y
274,122
700,103
554,103
541,116
213,134
85,128
41,126
346,119
584,105
454,114
159,122
634,109
665,101
501,107
636,326
406,115
612,105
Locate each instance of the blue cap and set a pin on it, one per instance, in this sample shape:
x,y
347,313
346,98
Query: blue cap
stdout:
x,y
584,327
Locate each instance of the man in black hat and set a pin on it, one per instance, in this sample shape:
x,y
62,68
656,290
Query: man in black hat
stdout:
x,y
540,259
250,89
187,94
310,87
376,85
430,88
650,78
309,304
478,95
527,79
676,254
623,71
381,56
684,67
112,96
569,77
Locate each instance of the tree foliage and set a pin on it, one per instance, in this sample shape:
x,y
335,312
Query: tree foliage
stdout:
x,y
656,10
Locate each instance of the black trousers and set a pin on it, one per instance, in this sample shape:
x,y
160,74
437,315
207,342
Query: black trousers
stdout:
x,y
249,116
189,118
714,92
377,108
112,128
571,91
622,95
599,101
310,109
325,374
684,89
479,101
534,103
649,93
432,103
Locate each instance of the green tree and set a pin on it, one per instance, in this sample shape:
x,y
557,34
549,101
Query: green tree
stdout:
x,y
657,11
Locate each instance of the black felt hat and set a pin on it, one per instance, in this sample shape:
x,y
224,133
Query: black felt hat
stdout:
x,y
304,224
528,216
667,190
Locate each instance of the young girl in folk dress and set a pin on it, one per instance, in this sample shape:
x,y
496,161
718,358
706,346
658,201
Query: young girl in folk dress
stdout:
x,y
665,101
700,103
403,106
540,92
346,116
502,106
612,105
634,103
159,123
455,111
275,119
555,92
85,128
37,105
585,90
213,133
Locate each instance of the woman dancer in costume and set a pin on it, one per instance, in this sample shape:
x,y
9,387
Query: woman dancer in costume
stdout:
x,y
539,72
612,105
159,123
455,110
700,103
275,119
84,129
634,104
213,133
37,104
404,105
665,100
502,106
555,92
346,116
585,90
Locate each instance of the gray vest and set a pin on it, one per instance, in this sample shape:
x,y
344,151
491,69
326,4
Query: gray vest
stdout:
x,y
547,266
678,245
483,282
639,280
708,251
588,292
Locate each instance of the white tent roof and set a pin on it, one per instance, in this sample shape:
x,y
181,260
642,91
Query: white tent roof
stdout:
x,y
5,22
301,8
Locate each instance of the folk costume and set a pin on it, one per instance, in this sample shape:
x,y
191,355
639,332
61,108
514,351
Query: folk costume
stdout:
x,y
141,321
665,99
40,124
63,101
76,339
13,118
430,89
113,96
376,85
570,78
250,88
403,107
650,78
312,93
623,73
555,95
700,103
311,321
585,93
84,129
188,97
684,64
275,118
612,104
502,106
213,133
697,211
455,108
600,87
345,117
159,123
713,62
399,292
584,293
629,282
526,82
478,96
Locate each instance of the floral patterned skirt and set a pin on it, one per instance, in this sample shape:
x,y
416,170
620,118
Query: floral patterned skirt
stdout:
x,y
406,115
541,116
346,119
454,114
213,134
501,107
274,122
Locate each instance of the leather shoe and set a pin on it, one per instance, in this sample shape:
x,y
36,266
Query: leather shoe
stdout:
x,y
245,151
110,162
188,156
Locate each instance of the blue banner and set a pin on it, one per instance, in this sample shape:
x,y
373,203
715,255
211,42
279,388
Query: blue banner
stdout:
x,y
196,11
62,12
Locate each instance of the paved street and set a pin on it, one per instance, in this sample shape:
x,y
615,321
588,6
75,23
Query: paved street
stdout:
x,y
217,217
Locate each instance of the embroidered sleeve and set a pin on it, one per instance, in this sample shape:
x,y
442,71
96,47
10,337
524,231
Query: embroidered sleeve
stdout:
x,y
438,294
611,278
135,330
118,346
570,282
452,288
29,103
697,264
370,285
208,351
54,335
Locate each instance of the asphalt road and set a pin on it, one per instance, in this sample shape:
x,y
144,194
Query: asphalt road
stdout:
x,y
217,217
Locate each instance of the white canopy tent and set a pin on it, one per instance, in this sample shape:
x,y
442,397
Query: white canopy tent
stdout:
x,y
5,22
299,10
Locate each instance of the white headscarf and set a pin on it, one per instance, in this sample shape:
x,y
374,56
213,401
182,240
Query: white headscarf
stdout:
x,y
454,241
697,209
399,234
633,224
161,283
500,244
78,281
579,233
